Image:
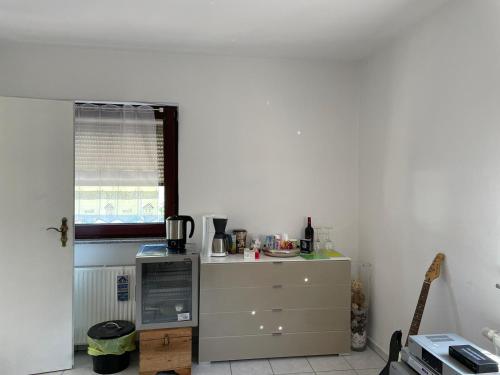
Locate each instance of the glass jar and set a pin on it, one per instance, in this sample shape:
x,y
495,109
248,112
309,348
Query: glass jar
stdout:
x,y
241,240
360,302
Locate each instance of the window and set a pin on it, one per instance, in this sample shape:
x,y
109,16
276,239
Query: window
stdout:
x,y
125,169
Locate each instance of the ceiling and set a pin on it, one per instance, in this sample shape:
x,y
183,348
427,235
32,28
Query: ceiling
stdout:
x,y
323,29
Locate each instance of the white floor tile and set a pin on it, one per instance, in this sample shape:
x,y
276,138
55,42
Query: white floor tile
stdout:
x,y
290,365
365,363
342,372
355,353
214,368
371,371
367,359
82,359
131,370
251,367
79,371
328,363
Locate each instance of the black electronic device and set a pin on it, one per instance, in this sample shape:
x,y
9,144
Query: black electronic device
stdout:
x,y
473,359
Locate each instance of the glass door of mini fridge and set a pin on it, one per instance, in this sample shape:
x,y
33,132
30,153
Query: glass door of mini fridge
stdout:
x,y
168,293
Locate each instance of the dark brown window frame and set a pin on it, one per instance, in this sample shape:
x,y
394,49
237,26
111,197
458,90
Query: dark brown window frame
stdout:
x,y
170,174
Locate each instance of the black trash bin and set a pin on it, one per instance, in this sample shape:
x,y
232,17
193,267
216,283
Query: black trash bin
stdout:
x,y
114,356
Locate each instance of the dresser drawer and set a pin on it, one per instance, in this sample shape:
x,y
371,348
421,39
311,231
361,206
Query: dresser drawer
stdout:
x,y
165,349
254,274
269,321
268,298
268,346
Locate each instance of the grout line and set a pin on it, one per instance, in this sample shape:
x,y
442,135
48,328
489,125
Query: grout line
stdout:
x,y
231,367
349,364
312,368
270,366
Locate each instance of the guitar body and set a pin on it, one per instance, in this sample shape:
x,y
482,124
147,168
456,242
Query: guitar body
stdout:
x,y
395,346
394,349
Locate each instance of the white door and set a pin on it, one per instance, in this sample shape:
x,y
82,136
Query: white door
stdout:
x,y
36,272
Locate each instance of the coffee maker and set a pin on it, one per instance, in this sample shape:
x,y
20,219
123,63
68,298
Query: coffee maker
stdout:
x,y
176,229
220,243
209,234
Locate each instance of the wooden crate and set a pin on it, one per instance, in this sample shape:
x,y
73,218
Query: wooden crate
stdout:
x,y
164,350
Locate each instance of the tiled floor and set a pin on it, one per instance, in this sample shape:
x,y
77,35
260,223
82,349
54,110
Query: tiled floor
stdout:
x,y
358,363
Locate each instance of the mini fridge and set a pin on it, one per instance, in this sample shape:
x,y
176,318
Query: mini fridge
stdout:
x,y
166,288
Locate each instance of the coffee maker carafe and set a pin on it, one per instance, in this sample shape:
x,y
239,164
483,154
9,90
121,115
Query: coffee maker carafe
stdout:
x,y
220,243
176,228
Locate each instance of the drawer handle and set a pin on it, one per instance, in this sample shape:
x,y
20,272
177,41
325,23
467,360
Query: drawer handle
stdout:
x,y
278,262
277,286
276,333
166,340
276,310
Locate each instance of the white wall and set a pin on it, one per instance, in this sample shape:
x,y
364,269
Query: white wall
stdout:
x,y
430,172
239,149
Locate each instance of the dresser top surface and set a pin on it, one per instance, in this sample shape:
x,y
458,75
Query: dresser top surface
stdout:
x,y
239,258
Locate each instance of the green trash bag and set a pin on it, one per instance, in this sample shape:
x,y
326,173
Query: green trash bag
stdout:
x,y
114,337
116,346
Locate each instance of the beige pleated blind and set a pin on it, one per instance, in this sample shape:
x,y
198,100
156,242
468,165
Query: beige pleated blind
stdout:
x,y
118,145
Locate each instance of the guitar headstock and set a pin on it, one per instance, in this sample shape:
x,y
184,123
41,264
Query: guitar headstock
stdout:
x,y
435,268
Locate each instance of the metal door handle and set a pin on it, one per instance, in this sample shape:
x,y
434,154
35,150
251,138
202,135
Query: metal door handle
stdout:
x,y
63,229
166,340
276,310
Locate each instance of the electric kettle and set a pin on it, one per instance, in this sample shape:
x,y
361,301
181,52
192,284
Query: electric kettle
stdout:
x,y
176,228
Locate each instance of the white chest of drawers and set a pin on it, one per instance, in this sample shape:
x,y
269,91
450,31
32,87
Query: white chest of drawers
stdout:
x,y
273,308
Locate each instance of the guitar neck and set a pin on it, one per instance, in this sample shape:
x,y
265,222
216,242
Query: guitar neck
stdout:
x,y
419,310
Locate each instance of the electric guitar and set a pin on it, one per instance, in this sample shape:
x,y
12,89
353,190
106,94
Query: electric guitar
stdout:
x,y
395,347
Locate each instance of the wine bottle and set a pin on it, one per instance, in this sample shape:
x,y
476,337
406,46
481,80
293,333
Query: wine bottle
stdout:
x,y
309,233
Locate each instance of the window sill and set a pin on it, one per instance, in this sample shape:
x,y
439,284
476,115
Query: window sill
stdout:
x,y
121,240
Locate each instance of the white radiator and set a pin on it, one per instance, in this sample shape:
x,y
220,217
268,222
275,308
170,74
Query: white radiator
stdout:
x,y
95,298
